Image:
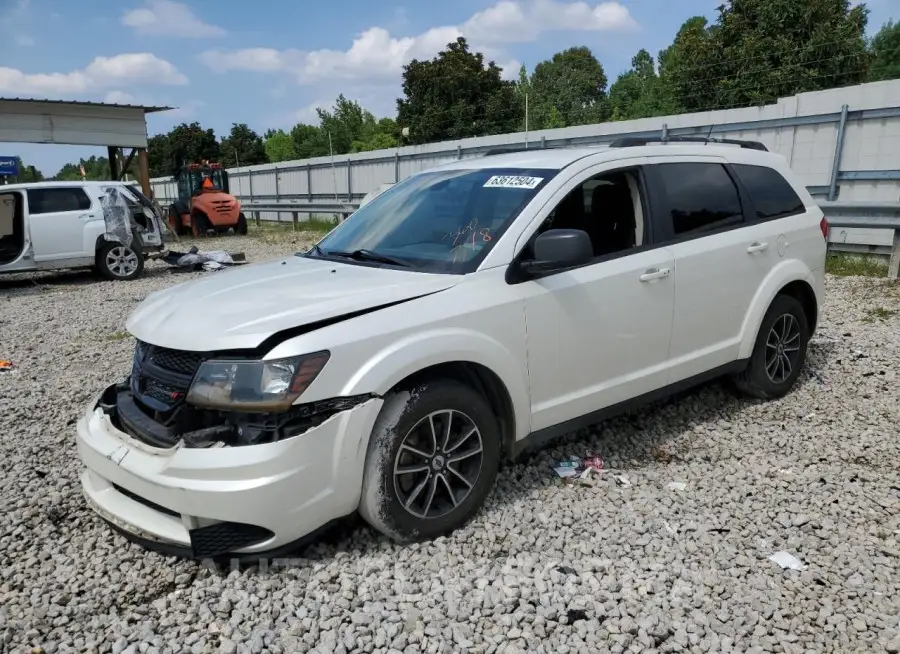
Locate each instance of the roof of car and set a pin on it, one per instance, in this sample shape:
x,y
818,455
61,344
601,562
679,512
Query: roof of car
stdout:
x,y
559,158
73,182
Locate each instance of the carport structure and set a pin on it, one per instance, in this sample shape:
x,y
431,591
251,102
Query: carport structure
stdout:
x,y
62,122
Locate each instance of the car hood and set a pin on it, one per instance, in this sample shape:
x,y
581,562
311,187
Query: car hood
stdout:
x,y
240,307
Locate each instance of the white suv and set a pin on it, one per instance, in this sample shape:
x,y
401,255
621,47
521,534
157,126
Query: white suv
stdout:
x,y
465,313
108,226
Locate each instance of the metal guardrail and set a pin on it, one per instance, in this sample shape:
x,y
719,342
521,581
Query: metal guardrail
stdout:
x,y
868,215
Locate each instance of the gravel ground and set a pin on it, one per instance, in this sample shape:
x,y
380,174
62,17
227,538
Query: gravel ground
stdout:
x,y
627,564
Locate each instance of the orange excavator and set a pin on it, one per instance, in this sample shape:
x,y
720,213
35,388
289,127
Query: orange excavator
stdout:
x,y
204,203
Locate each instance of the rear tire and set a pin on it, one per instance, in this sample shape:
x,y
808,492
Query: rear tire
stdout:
x,y
119,262
779,353
241,227
432,459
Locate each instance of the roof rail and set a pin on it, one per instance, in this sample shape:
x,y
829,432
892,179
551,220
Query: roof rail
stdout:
x,y
635,141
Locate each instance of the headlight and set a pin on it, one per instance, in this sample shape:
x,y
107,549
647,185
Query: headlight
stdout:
x,y
254,385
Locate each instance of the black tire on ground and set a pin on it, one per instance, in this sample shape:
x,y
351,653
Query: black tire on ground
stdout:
x,y
241,227
200,225
779,353
405,469
119,262
175,223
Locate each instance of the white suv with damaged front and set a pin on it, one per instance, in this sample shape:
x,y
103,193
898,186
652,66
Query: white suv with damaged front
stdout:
x,y
462,315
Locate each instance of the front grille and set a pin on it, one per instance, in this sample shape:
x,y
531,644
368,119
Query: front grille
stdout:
x,y
161,392
137,498
225,538
180,361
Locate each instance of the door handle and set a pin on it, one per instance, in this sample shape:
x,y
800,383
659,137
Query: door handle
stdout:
x,y
655,273
756,246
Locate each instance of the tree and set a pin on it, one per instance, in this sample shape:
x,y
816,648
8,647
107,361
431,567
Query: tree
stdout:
x,y
243,147
27,174
95,169
574,83
885,49
279,146
760,50
639,92
457,95
383,136
191,144
159,155
309,141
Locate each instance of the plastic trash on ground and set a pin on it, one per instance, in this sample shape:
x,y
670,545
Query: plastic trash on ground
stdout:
x,y
787,561
194,259
578,467
6,366
117,216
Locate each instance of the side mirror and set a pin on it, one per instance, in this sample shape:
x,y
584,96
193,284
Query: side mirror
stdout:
x,y
556,249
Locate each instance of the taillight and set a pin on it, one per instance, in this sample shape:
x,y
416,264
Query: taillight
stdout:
x,y
823,224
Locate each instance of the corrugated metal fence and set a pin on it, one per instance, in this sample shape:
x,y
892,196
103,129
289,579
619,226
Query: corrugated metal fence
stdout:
x,y
843,143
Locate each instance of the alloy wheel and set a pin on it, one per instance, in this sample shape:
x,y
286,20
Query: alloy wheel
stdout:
x,y
782,348
438,463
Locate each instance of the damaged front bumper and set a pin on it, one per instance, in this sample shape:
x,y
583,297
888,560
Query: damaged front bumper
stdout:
x,y
248,500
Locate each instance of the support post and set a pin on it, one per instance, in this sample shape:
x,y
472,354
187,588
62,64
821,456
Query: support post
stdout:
x,y
458,152
113,153
277,193
144,171
396,166
838,147
349,180
308,182
127,163
894,265
250,181
665,131
256,217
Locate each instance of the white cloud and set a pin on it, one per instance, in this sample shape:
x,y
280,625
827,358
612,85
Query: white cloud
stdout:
x,y
119,97
375,53
170,18
101,73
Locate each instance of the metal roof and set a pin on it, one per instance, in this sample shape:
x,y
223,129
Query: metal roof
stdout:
x,y
147,110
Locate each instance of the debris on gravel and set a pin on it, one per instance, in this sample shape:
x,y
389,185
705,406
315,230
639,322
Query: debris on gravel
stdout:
x,y
674,558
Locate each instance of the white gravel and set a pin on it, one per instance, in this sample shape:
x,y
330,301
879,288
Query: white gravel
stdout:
x,y
628,565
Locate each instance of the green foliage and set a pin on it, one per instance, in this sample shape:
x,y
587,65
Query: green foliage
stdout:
x,y
639,92
760,50
885,49
243,147
279,146
27,174
456,95
573,83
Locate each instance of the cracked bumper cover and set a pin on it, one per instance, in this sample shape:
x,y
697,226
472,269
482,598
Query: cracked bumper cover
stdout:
x,y
167,499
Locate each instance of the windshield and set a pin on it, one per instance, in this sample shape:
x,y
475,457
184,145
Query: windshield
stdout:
x,y
444,221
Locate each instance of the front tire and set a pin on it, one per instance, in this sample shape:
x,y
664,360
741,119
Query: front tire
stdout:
x,y
200,225
779,353
432,460
119,262
241,228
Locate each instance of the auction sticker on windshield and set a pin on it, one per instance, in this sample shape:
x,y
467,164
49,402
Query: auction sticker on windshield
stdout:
x,y
513,181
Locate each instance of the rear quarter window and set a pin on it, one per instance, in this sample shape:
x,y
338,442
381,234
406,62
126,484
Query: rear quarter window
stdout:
x,y
701,197
770,193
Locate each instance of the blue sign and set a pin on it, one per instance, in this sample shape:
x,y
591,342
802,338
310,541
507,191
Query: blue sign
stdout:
x,y
9,166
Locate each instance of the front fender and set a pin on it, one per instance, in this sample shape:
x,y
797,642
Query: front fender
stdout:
x,y
779,277
415,352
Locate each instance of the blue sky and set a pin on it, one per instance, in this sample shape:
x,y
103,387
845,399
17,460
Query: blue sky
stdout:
x,y
270,63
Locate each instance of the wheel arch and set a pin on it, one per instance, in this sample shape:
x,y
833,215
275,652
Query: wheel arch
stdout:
x,y
793,279
480,378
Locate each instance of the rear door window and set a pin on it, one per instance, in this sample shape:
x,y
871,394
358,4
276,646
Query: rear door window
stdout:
x,y
57,200
770,193
700,197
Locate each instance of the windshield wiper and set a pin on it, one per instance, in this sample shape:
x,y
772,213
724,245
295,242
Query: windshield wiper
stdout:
x,y
367,255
